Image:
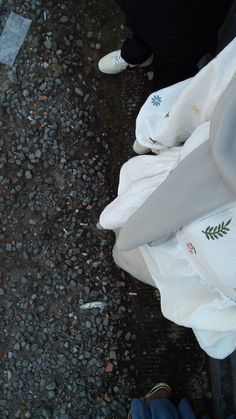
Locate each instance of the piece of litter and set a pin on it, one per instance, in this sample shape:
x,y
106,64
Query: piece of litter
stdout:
x,y
12,37
94,304
133,293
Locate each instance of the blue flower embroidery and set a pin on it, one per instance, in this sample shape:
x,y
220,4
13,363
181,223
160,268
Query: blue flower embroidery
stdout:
x,y
156,100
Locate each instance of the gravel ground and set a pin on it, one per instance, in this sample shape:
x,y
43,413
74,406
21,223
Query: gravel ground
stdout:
x,y
61,358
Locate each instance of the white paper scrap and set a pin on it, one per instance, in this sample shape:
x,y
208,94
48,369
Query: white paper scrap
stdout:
x,y
94,304
12,37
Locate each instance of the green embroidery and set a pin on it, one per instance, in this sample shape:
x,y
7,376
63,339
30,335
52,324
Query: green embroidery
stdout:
x,y
217,231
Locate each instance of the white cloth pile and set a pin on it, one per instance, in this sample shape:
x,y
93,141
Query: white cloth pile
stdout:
x,y
195,269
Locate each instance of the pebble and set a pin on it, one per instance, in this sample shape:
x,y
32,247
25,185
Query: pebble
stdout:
x,y
51,386
26,93
17,346
48,44
43,86
79,92
51,395
86,97
28,174
42,382
38,154
64,19
8,247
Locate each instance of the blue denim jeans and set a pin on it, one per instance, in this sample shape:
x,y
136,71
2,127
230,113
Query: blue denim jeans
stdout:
x,y
162,409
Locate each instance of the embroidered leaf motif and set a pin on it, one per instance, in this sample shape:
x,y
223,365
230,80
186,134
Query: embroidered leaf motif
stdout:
x,y
216,232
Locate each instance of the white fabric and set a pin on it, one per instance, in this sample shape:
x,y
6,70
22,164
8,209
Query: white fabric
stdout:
x,y
170,115
195,273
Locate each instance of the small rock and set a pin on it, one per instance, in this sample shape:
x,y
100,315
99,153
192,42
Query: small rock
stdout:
x,y
64,19
49,180
48,44
128,336
42,382
43,86
26,93
51,394
38,154
28,174
51,386
79,92
86,97
8,247
17,346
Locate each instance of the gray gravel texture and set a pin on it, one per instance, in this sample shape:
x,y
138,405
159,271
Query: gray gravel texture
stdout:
x,y
65,129
57,360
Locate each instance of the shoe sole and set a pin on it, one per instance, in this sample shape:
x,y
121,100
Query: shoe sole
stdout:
x,y
145,64
109,72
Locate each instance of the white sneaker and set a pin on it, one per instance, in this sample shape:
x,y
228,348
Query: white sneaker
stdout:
x,y
113,63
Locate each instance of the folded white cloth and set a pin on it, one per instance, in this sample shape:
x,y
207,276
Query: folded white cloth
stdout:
x,y
169,116
195,269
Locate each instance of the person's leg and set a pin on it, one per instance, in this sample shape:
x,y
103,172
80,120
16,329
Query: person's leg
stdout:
x,y
185,410
123,4
163,409
134,51
140,410
166,73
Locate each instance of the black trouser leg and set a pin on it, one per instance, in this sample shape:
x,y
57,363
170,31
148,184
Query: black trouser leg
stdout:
x,y
134,51
123,4
166,73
